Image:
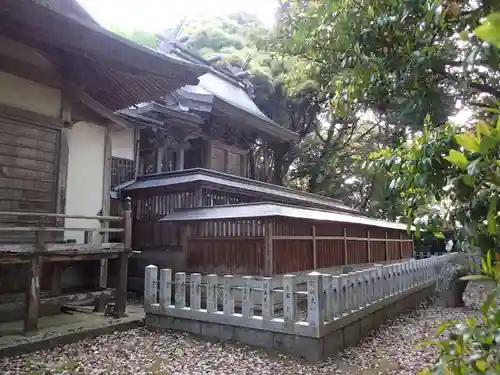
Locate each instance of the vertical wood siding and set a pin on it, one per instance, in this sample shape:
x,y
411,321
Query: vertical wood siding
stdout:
x,y
28,173
239,257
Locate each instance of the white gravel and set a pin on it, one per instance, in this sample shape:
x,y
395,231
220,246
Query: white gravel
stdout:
x,y
390,350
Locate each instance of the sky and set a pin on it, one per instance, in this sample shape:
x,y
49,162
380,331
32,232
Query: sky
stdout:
x,y
157,15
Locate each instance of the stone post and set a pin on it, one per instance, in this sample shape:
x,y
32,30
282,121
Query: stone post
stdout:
x,y
315,302
195,292
345,293
247,302
165,289
379,281
328,293
413,271
289,306
150,287
366,287
180,290
399,270
336,301
267,298
212,282
228,300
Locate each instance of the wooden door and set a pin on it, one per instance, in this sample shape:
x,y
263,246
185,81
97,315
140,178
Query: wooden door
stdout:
x,y
28,173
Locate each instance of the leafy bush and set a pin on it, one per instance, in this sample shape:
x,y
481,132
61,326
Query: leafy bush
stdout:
x,y
472,346
449,181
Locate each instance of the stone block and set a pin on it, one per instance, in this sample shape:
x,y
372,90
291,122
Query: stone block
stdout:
x,y
158,321
352,334
308,348
217,331
367,325
254,337
333,343
379,317
186,325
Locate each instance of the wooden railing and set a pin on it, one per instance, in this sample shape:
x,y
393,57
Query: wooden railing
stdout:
x,y
42,250
93,239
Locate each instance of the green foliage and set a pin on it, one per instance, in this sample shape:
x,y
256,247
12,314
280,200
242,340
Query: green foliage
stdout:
x,y
490,29
448,179
396,62
401,60
141,37
472,346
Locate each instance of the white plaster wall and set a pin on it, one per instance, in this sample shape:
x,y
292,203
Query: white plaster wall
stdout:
x,y
122,144
22,52
85,177
22,93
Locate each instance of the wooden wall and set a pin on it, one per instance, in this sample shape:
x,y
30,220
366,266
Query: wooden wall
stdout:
x,y
241,256
300,245
151,205
28,172
240,246
237,246
149,233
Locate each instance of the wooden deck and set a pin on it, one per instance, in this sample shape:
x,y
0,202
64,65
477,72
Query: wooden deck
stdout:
x,y
44,249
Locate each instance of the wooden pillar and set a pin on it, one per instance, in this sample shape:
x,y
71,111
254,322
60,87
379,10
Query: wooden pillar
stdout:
x,y
386,247
184,235
413,245
32,295
198,197
345,247
160,152
315,250
137,143
268,249
56,278
121,286
180,160
106,204
62,178
369,250
400,245
63,154
160,155
32,304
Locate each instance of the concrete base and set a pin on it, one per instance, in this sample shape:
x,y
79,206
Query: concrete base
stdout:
x,y
63,329
348,331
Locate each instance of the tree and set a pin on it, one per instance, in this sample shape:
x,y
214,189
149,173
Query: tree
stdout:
x,y
448,179
399,61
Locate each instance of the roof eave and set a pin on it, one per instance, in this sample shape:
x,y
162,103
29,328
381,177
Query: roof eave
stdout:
x,y
269,210
267,127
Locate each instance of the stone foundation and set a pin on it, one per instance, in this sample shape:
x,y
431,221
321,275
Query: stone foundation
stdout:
x,y
334,336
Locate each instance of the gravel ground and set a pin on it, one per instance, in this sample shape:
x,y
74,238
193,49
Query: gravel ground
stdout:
x,y
390,350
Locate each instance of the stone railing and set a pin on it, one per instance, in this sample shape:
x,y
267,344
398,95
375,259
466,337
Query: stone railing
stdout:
x,y
312,312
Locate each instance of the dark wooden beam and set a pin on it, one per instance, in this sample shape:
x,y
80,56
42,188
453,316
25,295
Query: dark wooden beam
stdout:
x,y
106,204
29,116
121,287
102,110
38,74
268,249
62,173
32,295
